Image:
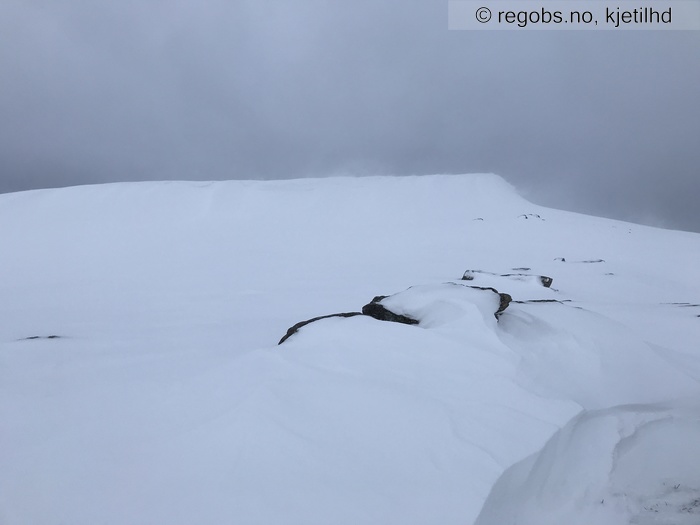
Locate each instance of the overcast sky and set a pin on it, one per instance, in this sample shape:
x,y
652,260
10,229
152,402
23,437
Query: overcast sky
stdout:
x,y
602,122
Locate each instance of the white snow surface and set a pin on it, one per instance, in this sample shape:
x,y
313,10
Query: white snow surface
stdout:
x,y
166,399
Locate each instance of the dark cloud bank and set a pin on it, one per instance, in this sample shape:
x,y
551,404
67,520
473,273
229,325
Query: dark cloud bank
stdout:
x,y
601,122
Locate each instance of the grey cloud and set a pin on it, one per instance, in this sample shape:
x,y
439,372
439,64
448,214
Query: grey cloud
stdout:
x,y
600,122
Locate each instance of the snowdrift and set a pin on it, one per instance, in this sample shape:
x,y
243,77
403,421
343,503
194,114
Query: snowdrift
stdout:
x,y
141,380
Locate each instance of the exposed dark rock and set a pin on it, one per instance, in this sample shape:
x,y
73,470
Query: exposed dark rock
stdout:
x,y
685,305
489,288
32,337
544,280
478,219
505,301
588,261
541,301
378,311
469,274
530,216
523,269
528,301
296,327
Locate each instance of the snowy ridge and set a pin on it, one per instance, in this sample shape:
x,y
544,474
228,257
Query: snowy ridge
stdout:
x,y
167,400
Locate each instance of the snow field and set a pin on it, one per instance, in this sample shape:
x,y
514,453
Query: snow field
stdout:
x,y
166,399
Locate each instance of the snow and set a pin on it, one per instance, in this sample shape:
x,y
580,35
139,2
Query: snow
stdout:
x,y
165,398
628,464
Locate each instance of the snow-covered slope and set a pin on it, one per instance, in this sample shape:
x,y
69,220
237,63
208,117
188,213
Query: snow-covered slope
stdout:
x,y
166,399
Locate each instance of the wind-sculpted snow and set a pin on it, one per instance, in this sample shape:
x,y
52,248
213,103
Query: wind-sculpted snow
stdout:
x,y
449,303
629,464
576,354
427,305
167,400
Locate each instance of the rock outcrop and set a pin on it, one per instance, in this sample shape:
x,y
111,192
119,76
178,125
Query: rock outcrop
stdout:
x,y
543,279
423,303
377,310
296,327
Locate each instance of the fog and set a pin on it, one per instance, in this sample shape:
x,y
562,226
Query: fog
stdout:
x,y
602,122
